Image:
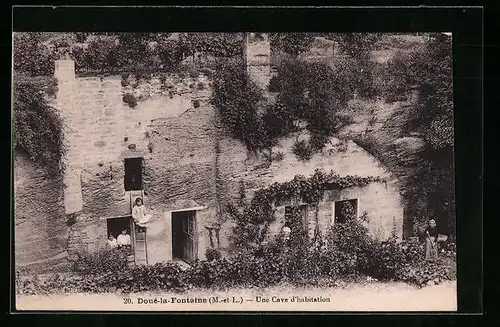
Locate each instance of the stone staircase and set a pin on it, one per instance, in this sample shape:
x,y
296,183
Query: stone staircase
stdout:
x,y
140,253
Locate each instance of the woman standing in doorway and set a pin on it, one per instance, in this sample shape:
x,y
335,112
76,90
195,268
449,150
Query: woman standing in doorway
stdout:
x,y
431,238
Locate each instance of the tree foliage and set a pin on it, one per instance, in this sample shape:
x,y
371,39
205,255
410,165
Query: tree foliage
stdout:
x,y
237,98
356,45
313,92
32,56
38,128
292,43
215,44
434,78
429,68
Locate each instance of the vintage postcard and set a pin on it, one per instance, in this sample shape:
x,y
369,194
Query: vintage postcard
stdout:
x,y
234,171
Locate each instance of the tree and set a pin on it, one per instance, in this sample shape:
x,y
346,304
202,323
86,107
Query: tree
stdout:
x,y
170,53
356,45
434,77
31,55
103,53
292,43
433,118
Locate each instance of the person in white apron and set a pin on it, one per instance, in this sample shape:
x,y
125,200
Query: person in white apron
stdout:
x,y
140,214
431,250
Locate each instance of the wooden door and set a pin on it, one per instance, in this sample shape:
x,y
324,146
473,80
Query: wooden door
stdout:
x,y
189,237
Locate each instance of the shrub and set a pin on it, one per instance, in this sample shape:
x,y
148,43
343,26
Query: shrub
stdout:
x,y
38,127
302,150
70,219
425,273
274,84
130,99
102,261
207,72
237,98
163,78
318,141
212,254
277,156
31,56
196,103
273,156
193,73
348,254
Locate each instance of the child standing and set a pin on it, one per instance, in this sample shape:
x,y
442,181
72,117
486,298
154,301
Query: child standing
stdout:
x,y
140,214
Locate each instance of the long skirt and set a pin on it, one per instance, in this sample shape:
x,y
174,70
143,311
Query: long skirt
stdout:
x,y
431,251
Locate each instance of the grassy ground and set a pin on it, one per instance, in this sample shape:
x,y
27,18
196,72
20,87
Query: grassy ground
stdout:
x,y
368,296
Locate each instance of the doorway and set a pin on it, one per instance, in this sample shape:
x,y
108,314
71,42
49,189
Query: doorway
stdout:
x,y
184,240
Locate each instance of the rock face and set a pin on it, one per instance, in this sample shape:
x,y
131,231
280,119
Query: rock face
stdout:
x,y
40,225
188,163
408,148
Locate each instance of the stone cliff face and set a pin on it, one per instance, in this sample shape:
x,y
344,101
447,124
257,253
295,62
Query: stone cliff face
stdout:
x,y
188,162
40,225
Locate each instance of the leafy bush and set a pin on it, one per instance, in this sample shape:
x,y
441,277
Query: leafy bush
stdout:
x,y
196,104
212,254
425,273
302,150
38,127
273,156
207,72
350,252
102,261
31,56
274,84
318,141
292,43
130,99
237,98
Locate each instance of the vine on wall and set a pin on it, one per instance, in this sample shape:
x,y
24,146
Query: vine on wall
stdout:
x,y
261,209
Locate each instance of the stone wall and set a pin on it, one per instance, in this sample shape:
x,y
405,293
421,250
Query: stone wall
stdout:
x,y
258,57
174,138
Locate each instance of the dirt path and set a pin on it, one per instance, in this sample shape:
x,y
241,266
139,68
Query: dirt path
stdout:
x,y
369,297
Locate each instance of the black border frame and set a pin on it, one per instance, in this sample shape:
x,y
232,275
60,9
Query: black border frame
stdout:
x,y
466,24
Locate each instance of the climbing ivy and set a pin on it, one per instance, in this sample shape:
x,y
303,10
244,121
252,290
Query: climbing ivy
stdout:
x,y
261,209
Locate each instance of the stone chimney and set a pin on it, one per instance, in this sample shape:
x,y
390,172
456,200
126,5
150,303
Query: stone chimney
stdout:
x,y
65,70
258,58
67,105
